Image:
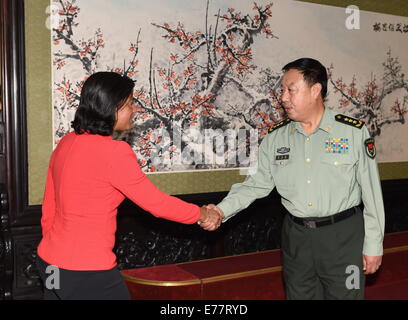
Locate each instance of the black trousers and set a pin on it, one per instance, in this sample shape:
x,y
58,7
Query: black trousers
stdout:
x,y
62,284
325,262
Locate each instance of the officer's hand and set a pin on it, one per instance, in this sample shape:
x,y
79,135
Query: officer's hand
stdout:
x,y
371,263
212,218
218,210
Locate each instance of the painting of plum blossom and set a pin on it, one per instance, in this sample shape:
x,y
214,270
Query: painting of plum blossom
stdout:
x,y
207,72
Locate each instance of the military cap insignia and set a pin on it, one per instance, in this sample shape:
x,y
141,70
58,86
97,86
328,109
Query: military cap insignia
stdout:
x,y
279,124
349,120
370,147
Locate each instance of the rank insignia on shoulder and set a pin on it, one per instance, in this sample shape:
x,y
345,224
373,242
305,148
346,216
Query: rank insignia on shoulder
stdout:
x,y
349,120
279,124
370,147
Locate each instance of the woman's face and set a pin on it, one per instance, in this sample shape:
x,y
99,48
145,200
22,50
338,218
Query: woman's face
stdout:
x,y
125,115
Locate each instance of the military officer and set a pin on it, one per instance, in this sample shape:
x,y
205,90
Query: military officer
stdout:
x,y
323,166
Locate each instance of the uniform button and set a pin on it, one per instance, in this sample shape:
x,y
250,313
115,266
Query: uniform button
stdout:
x,y
309,182
336,163
307,139
308,160
281,163
309,204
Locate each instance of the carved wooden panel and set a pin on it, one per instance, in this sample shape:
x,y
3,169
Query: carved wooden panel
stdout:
x,y
26,282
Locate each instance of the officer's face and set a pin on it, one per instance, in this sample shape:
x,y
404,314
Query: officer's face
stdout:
x,y
298,98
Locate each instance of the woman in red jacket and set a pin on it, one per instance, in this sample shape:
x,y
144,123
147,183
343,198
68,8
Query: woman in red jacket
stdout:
x,y
89,175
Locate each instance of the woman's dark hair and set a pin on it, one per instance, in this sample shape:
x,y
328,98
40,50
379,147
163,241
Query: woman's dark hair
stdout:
x,y
313,72
103,93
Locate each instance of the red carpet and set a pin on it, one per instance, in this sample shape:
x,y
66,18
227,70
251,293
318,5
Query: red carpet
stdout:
x,y
391,280
260,273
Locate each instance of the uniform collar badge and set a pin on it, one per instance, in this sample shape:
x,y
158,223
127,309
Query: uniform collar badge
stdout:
x,y
283,150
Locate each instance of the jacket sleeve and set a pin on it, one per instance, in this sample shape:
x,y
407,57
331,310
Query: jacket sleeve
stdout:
x,y
127,177
48,206
255,186
374,217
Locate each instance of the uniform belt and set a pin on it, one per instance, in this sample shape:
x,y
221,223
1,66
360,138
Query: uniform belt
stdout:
x,y
313,223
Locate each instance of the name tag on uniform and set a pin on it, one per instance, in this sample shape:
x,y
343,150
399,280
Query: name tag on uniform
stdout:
x,y
337,145
282,157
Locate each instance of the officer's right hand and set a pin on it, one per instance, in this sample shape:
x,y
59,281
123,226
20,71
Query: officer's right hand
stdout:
x,y
214,223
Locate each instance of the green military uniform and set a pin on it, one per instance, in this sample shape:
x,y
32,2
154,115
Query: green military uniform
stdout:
x,y
318,175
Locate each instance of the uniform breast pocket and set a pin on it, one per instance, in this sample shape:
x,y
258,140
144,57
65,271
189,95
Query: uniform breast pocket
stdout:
x,y
341,169
281,160
282,171
338,160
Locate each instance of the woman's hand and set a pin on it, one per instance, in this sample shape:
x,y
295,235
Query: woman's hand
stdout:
x,y
210,217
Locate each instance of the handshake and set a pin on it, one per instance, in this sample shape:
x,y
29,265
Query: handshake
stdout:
x,y
210,217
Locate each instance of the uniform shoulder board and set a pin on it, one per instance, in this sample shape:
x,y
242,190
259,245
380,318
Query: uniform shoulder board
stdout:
x,y
349,120
279,125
